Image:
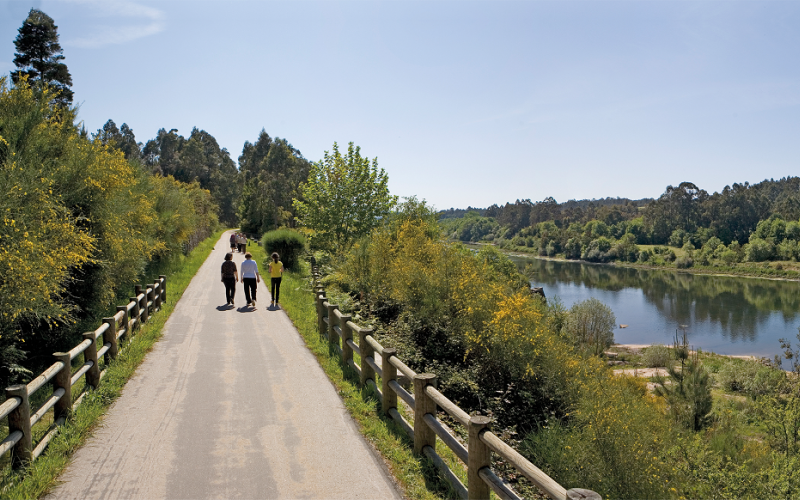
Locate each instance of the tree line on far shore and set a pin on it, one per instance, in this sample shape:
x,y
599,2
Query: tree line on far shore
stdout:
x,y
742,223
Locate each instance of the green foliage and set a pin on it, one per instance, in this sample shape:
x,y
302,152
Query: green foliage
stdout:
x,y
80,223
271,170
688,391
289,244
750,377
197,159
590,325
656,356
613,442
471,227
122,139
344,198
39,55
758,250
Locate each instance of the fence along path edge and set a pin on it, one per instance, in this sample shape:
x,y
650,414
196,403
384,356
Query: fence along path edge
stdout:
x,y
340,331
128,318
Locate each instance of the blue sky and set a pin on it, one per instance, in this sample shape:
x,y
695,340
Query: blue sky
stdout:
x,y
463,103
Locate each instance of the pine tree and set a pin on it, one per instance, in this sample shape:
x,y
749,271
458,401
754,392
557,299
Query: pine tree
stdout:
x,y
39,56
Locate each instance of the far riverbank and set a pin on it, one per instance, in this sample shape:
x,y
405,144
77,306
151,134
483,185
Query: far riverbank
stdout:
x,y
788,271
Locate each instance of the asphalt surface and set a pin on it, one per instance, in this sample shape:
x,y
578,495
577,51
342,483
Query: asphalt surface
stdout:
x,y
229,404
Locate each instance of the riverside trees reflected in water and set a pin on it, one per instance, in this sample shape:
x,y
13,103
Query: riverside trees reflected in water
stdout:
x,y
727,315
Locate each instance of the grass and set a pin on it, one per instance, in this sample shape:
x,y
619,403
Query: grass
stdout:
x,y
416,476
42,475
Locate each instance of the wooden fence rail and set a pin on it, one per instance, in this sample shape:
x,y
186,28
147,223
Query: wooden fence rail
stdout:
x,y
16,407
425,401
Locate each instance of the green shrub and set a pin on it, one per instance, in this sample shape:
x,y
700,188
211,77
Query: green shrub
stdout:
x,y
288,243
759,250
684,262
749,377
656,356
590,325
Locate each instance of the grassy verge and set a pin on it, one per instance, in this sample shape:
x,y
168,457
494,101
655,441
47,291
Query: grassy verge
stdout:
x,y
42,475
417,477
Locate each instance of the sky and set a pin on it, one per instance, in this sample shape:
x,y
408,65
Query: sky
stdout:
x,y
464,103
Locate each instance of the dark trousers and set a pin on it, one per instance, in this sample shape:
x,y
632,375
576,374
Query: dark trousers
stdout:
x,y
250,285
276,289
230,288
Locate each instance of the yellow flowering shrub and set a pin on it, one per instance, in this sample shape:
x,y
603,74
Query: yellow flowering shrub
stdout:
x,y
79,224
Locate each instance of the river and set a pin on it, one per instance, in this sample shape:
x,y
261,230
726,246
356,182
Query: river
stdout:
x,y
726,315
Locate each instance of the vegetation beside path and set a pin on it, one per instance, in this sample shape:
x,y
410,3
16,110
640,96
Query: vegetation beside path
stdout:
x,y
416,476
38,479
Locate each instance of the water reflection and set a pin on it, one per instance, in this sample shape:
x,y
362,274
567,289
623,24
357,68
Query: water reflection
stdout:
x,y
724,314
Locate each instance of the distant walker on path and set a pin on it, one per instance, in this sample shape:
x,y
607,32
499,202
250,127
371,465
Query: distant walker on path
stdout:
x,y
275,272
250,278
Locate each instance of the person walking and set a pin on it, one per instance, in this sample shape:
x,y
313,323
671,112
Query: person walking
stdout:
x,y
233,242
229,277
275,272
250,279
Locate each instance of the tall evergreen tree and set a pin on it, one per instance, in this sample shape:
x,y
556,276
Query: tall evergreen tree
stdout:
x,y
39,56
197,159
122,139
270,172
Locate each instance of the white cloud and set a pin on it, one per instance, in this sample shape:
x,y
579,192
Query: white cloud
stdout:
x,y
127,21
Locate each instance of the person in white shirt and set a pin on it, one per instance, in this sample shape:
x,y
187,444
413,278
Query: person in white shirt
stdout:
x,y
250,278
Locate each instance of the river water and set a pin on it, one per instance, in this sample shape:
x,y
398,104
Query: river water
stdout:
x,y
726,315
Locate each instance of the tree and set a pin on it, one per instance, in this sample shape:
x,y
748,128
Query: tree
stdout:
x,y
344,198
39,56
197,159
271,170
688,391
590,325
121,139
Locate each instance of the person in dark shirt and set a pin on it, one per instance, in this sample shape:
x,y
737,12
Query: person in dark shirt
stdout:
x,y
230,276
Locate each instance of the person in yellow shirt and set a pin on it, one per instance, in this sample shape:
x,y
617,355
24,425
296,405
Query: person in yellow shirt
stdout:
x,y
276,272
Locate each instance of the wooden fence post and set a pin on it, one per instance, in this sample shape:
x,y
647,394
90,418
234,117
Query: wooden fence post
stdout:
x,y
63,380
479,457
347,334
110,337
126,320
156,295
389,373
90,354
423,435
333,337
20,420
145,313
163,279
136,313
321,311
367,373
151,304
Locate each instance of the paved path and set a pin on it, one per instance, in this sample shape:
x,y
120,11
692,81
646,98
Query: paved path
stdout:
x,y
229,404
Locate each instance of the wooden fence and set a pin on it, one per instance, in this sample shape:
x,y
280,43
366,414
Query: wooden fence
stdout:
x,y
19,442
346,338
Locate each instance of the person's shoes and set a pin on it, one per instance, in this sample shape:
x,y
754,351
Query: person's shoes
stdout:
x,y
233,303
254,303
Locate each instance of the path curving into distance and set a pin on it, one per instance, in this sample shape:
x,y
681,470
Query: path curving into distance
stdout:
x,y
229,404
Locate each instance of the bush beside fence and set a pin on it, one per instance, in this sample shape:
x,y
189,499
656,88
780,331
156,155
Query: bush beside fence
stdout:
x,y
425,400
